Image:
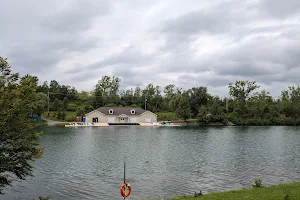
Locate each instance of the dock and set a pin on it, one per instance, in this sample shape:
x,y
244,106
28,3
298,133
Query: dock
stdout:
x,y
146,124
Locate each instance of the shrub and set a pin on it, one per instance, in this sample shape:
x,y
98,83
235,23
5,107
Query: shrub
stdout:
x,y
257,183
70,118
72,107
43,198
59,115
63,116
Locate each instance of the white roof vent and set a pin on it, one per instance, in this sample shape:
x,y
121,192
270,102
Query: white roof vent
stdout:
x,y
132,112
111,111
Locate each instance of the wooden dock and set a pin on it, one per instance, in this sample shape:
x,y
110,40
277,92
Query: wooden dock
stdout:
x,y
146,124
101,124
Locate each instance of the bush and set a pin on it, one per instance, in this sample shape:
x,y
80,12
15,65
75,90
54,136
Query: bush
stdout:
x,y
167,116
71,118
59,115
286,197
257,183
72,107
63,116
43,198
111,105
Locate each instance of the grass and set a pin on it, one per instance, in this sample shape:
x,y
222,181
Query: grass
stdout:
x,y
70,116
43,123
166,116
289,191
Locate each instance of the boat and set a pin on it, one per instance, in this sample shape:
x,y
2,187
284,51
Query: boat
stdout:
x,y
165,123
76,124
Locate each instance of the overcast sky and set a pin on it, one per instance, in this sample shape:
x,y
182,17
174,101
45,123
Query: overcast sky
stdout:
x,y
189,43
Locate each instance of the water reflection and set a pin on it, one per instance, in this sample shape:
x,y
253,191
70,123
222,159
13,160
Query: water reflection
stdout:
x,y
87,163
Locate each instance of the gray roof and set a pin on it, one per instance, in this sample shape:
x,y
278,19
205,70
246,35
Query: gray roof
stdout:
x,y
120,110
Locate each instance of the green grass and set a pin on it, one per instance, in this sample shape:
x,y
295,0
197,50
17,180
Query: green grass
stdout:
x,y
276,192
43,123
166,116
70,116
171,116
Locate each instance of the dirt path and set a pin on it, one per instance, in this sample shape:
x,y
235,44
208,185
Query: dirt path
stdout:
x,y
52,122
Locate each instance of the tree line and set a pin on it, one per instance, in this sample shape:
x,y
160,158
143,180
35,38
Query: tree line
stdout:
x,y
244,106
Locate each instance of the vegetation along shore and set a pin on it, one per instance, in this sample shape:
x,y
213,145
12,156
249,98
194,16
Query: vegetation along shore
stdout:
x,y
245,105
289,191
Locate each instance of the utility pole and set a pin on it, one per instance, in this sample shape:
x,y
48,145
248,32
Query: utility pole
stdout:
x,y
48,103
226,104
145,103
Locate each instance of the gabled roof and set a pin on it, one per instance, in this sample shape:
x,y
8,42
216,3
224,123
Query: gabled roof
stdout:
x,y
123,115
120,110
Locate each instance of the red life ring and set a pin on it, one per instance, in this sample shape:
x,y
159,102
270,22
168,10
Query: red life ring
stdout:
x,y
125,190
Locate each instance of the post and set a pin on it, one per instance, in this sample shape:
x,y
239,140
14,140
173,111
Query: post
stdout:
x,y
145,103
124,171
226,104
48,103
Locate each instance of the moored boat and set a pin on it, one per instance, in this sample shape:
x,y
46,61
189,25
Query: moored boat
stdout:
x,y
165,123
76,124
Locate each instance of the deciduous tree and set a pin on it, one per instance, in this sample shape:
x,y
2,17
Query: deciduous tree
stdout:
x,y
18,139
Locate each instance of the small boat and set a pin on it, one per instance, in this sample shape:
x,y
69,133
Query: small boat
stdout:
x,y
165,123
75,124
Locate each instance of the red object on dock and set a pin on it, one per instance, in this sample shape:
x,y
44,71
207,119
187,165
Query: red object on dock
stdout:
x,y
79,118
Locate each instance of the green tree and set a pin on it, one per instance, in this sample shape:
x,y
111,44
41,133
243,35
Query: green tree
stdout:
x,y
198,96
18,138
65,104
63,115
111,105
40,103
106,90
169,92
241,92
56,105
183,108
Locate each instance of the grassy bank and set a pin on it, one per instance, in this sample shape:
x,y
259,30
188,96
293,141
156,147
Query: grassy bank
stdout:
x,y
276,192
70,116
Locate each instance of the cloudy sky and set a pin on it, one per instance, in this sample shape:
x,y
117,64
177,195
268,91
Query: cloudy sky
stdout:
x,y
188,43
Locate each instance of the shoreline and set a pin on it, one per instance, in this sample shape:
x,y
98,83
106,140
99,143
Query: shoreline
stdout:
x,y
284,191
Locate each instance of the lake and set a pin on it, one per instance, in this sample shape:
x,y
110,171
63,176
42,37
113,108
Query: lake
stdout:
x,y
87,163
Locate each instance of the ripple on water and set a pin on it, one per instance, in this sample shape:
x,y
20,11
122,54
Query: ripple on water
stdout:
x,y
161,162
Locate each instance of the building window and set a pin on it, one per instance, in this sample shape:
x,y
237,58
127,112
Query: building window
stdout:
x,y
111,111
132,111
95,119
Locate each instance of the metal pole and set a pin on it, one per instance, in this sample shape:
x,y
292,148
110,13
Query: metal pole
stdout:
x,y
145,103
226,104
124,171
124,174
48,103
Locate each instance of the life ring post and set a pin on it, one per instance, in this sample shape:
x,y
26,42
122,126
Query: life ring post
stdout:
x,y
125,189
124,171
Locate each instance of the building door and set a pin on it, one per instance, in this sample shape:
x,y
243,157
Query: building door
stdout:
x,y
122,120
95,120
148,120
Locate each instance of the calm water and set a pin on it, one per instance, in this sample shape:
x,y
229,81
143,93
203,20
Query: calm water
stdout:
x,y
87,163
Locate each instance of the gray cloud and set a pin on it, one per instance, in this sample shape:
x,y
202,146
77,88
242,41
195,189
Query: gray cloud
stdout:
x,y
54,37
191,44
76,16
281,9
